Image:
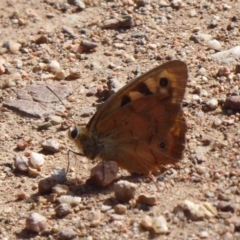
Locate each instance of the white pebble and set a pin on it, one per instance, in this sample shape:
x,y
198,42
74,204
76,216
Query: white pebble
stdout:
x,y
36,159
73,201
204,234
195,97
214,44
212,103
192,13
14,47
54,66
217,122
159,225
203,93
202,71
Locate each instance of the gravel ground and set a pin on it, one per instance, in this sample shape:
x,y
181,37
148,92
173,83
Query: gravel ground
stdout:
x,y
75,48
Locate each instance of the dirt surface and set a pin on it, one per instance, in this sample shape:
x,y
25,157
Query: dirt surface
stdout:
x,y
34,33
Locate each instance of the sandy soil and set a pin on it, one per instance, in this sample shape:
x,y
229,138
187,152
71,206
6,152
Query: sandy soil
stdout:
x,y
191,31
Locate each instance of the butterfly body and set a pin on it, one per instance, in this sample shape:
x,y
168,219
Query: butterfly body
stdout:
x,y
140,127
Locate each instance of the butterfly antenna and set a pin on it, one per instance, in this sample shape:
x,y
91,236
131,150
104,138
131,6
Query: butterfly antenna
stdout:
x,y
56,96
68,153
69,150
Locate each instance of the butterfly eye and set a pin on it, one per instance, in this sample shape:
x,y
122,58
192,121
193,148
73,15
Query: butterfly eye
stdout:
x,y
163,82
162,145
74,133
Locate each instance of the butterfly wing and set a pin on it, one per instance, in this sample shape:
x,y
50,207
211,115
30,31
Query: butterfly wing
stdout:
x,y
141,126
175,72
143,135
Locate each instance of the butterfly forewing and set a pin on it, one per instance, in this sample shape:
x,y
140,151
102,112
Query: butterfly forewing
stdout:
x,y
173,73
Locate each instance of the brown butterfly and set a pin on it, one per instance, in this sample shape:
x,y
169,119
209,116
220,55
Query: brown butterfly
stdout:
x,y
141,126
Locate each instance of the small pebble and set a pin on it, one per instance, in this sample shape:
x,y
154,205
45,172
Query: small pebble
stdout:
x,y
67,233
204,234
22,145
232,102
124,190
32,172
51,145
21,163
212,104
54,66
74,73
147,199
55,120
63,209
96,218
22,195
45,185
88,45
197,212
226,206
60,74
71,200
37,160
104,173
14,47
217,122
36,222
105,208
156,224
41,39
223,71
214,44
159,225
60,189
117,217
120,209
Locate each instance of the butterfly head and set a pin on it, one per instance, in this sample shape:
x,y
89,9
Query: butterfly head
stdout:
x,y
86,143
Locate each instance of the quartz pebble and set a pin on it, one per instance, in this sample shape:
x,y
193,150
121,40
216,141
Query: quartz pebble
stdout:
x,y
214,44
54,66
197,212
156,224
71,200
37,160
212,103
